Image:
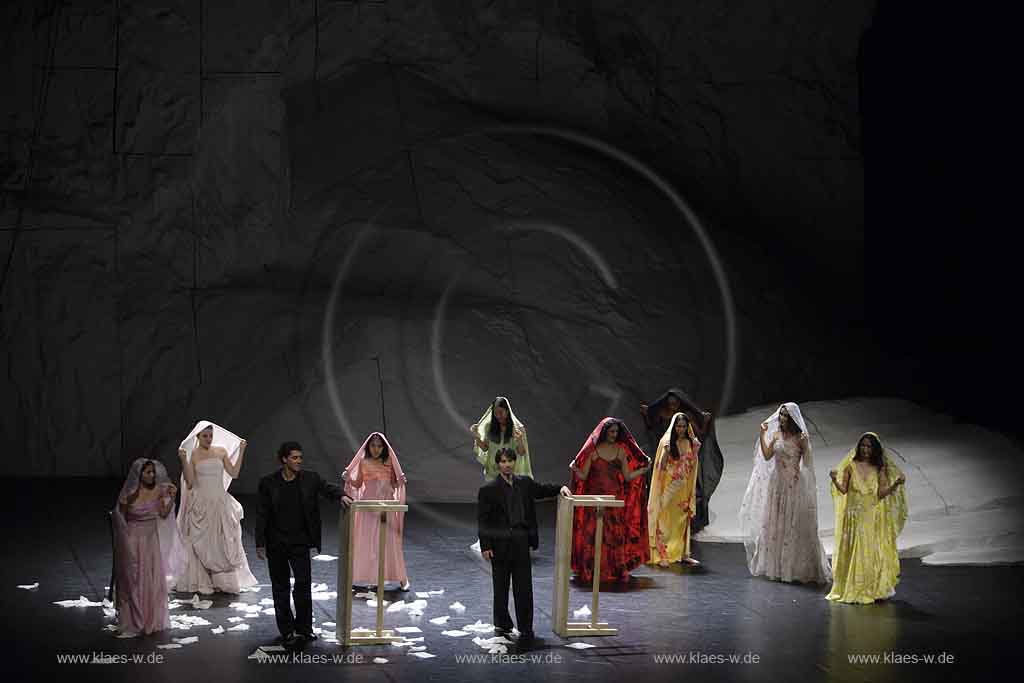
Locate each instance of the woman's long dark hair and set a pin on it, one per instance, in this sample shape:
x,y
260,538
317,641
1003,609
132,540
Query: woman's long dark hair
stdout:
x,y
673,447
608,425
494,428
794,427
876,458
385,453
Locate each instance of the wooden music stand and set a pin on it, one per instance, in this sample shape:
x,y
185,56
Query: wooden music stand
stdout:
x,y
346,528
563,552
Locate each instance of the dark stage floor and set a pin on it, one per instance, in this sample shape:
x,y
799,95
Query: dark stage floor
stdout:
x,y
58,536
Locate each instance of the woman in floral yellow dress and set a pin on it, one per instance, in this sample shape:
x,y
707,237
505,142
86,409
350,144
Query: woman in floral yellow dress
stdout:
x,y
871,509
673,498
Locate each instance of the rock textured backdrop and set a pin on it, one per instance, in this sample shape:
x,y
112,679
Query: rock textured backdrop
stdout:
x,y
312,219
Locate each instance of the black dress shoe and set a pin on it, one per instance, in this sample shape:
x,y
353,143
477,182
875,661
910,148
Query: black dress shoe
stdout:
x,y
293,642
280,640
308,636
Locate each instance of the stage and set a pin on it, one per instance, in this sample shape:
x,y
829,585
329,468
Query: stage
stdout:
x,y
673,623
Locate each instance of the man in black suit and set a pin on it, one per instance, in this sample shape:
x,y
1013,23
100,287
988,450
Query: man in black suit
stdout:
x,y
507,527
288,526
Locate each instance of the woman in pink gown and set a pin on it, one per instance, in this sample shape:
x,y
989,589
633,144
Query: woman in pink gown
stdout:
x,y
374,474
147,549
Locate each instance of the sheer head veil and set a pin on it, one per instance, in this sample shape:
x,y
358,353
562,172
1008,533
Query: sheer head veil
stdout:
x,y
666,438
755,500
222,438
357,460
352,472
171,550
893,506
522,461
654,500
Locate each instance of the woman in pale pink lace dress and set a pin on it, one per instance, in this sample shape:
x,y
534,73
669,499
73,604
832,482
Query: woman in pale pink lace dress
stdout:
x,y
374,474
147,549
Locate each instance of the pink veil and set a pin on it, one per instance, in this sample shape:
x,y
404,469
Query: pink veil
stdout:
x,y
171,550
352,475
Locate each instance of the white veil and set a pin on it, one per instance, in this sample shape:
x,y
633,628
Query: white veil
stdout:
x,y
222,438
755,499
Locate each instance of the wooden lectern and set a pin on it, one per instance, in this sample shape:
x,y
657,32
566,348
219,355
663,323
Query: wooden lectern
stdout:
x,y
344,608
563,552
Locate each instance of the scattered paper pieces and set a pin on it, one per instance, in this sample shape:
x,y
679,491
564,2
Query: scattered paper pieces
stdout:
x,y
195,602
187,640
272,648
324,558
318,587
417,648
422,655
169,646
497,650
325,595
457,607
239,627
109,612
234,619
364,594
82,601
440,621
479,627
409,629
267,601
270,611
218,630
455,634
488,642
414,606
187,621
373,603
581,613
30,586
579,646
329,624
379,660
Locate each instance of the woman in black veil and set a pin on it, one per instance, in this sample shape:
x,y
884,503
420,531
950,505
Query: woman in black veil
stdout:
x,y
657,417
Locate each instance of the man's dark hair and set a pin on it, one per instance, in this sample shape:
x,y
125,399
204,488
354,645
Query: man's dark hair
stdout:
x,y
286,448
507,452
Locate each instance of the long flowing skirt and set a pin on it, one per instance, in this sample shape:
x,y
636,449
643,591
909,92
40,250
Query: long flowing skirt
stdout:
x,y
141,587
214,556
366,540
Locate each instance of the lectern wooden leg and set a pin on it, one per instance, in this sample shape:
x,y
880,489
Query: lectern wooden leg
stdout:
x,y
380,636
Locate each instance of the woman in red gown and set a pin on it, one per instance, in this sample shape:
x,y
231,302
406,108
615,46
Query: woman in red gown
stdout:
x,y
610,463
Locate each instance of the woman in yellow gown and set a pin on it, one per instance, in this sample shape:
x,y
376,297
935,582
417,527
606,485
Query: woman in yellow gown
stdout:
x,y
871,509
673,498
